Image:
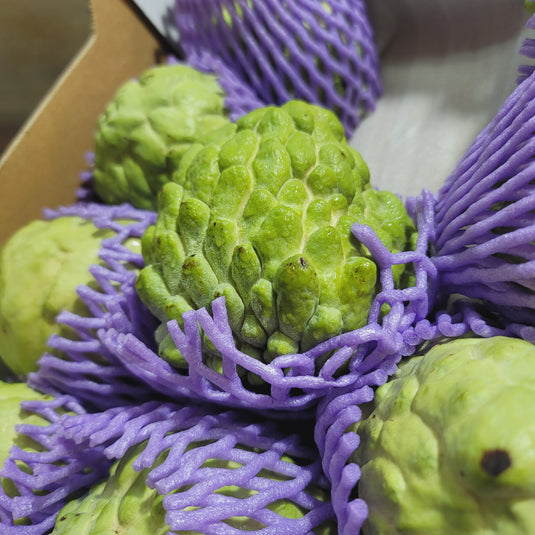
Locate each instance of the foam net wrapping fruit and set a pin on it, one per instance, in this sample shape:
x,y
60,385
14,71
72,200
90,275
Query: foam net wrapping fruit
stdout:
x,y
113,359
39,478
339,412
484,214
321,52
194,468
289,382
81,361
128,370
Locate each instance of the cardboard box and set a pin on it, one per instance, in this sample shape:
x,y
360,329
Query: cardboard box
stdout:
x,y
41,167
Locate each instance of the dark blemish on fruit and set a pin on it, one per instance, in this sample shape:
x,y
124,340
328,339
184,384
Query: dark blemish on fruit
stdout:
x,y
494,462
303,262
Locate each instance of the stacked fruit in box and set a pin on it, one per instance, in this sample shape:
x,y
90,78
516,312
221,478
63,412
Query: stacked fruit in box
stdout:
x,y
209,342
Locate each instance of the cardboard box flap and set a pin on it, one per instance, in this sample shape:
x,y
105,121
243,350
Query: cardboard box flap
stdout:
x,y
41,166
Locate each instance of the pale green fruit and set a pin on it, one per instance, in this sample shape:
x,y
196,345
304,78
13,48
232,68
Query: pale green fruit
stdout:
x,y
11,414
149,125
124,504
41,266
265,220
449,445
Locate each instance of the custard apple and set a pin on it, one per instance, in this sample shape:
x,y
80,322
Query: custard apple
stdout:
x,y
265,221
448,444
148,125
41,266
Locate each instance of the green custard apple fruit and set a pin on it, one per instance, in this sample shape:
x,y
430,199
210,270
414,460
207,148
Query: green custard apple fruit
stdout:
x,y
265,221
449,444
149,125
125,504
41,266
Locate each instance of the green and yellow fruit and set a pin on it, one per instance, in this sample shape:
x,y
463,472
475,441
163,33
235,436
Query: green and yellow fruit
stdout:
x,y
264,219
149,125
448,446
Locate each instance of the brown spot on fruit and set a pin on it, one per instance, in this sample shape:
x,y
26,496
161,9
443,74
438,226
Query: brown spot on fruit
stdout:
x,y
494,462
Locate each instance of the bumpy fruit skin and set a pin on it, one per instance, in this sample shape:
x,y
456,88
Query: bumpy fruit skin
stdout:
x,y
265,220
448,446
149,125
40,267
121,504
124,504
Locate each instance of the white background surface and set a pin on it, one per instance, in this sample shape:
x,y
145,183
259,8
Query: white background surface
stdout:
x,y
447,66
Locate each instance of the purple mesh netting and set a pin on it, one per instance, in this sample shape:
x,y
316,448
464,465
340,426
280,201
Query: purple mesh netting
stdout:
x,y
484,214
336,413
86,366
192,436
48,473
528,50
295,381
272,51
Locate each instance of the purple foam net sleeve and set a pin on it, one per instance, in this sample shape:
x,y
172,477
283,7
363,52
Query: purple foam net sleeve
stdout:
x,y
85,365
527,49
485,228
294,381
254,453
47,473
321,52
337,442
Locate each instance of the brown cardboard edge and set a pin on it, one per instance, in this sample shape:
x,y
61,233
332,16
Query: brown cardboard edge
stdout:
x,y
41,166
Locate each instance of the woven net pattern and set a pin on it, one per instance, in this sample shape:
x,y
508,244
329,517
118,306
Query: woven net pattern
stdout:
x,y
86,366
191,453
295,381
321,52
485,228
49,473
